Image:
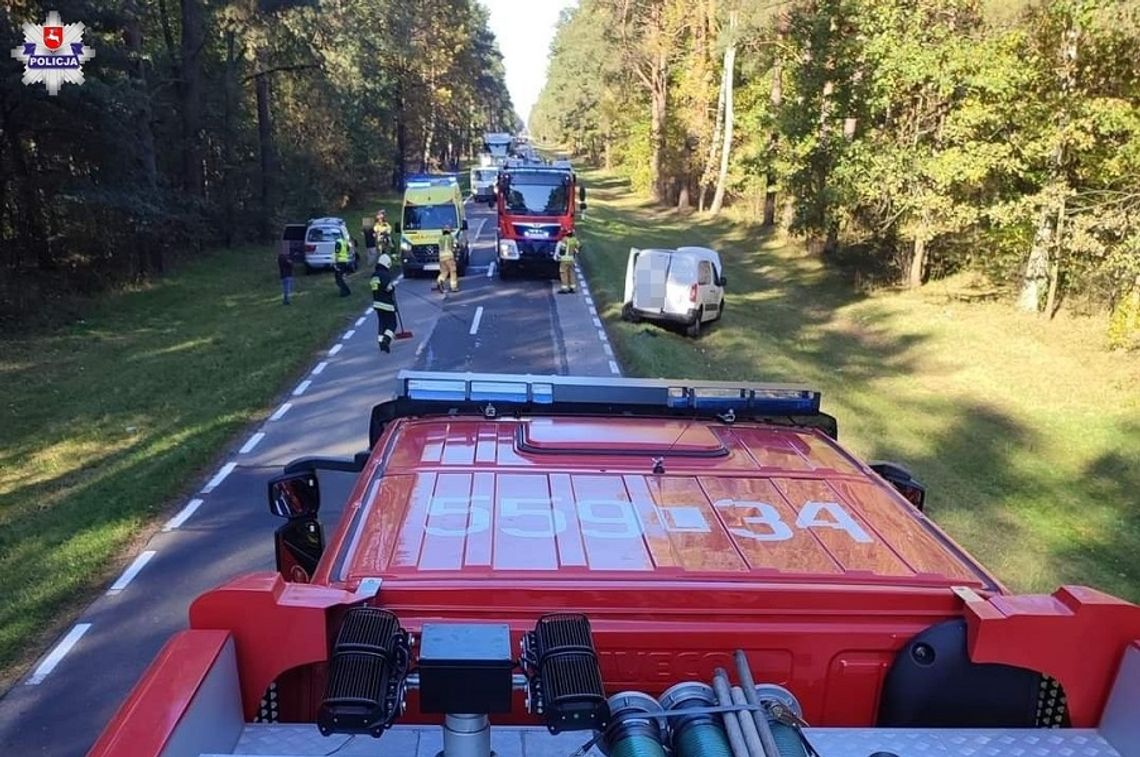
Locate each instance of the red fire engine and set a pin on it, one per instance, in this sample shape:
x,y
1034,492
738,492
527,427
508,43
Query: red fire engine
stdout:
x,y
588,564
535,211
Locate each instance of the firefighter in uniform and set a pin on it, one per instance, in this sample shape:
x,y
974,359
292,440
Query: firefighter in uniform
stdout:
x,y
341,257
383,231
384,301
447,268
566,251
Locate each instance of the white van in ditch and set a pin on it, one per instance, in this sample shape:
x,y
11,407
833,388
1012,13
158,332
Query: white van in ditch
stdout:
x,y
684,286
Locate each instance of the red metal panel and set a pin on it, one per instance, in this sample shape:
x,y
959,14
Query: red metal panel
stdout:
x,y
459,444
144,723
480,544
380,537
486,444
411,540
911,535
571,550
691,527
857,547
609,526
746,506
451,517
525,523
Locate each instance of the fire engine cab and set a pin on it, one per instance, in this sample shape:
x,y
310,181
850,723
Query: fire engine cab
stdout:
x,y
579,566
536,208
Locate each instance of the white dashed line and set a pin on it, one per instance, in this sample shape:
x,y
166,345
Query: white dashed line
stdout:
x,y
56,656
597,323
475,323
336,348
281,411
608,350
420,347
398,280
301,388
132,570
491,270
360,321
368,309
479,229
602,336
219,477
253,441
348,334
614,368
183,515
320,367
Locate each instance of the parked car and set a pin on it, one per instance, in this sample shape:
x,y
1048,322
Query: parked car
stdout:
x,y
320,241
684,286
293,241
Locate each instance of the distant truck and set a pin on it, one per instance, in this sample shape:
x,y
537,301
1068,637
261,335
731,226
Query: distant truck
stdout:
x,y
535,211
483,182
431,201
498,146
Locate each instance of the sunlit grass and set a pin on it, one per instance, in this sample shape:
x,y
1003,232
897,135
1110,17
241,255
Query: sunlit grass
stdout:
x,y
1026,431
110,421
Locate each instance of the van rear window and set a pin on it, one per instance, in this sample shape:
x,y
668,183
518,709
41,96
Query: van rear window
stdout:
x,y
323,234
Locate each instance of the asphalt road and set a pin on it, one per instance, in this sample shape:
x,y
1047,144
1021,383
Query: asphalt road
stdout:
x,y
519,326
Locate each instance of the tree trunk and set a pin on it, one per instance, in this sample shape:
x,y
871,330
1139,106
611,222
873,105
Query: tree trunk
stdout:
x,y
267,153
229,94
776,98
401,137
729,117
1055,263
917,261
659,94
141,118
714,144
190,75
1036,268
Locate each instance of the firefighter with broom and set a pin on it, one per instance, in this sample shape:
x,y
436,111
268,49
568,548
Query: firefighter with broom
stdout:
x,y
384,302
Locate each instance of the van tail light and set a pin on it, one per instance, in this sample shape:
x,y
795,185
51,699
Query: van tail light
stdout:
x,y
310,248
693,293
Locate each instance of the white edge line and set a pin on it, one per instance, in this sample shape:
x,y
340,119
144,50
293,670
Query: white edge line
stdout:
x,y
335,349
475,322
608,349
56,655
132,570
281,411
183,515
301,388
249,445
602,336
219,477
320,367
360,321
597,323
349,334
614,367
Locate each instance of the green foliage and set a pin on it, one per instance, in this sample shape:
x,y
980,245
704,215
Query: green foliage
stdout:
x,y
915,137
279,114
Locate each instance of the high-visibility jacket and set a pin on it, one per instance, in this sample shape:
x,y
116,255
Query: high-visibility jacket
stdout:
x,y
382,229
383,290
447,247
567,249
340,251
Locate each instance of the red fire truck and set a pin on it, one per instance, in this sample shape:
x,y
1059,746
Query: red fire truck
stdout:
x,y
535,210
556,565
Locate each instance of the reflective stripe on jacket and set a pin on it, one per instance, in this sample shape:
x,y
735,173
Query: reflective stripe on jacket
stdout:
x,y
446,247
567,249
383,290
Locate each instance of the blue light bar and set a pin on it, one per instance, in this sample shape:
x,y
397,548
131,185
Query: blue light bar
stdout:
x,y
668,394
430,180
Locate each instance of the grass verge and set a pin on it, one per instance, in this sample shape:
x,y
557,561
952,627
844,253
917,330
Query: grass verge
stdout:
x,y
108,422
1026,432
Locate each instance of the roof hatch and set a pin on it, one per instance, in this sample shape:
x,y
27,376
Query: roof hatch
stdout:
x,y
630,437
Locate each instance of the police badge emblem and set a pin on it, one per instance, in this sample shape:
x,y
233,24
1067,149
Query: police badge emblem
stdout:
x,y
53,53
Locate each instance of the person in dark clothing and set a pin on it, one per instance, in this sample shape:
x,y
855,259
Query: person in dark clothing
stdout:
x,y
285,270
384,301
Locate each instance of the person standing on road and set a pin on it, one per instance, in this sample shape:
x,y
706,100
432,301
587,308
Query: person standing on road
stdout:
x,y
447,267
384,301
565,252
341,256
285,270
369,244
383,232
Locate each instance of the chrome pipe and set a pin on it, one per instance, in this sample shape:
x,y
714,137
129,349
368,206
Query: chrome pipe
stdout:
x,y
731,721
751,735
744,673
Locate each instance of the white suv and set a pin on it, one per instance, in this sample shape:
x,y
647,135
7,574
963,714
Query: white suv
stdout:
x,y
320,243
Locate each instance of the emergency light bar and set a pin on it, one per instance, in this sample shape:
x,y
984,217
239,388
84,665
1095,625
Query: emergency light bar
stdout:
x,y
767,399
424,393
431,180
